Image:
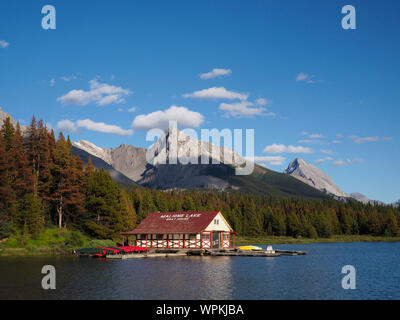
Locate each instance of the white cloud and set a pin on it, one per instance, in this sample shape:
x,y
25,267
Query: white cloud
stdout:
x,y
241,109
99,93
52,82
307,78
326,151
302,76
270,160
321,160
68,78
281,148
102,127
336,141
4,44
357,139
216,93
133,109
216,73
67,125
160,119
339,135
313,141
316,136
261,102
120,109
341,163
70,126
318,161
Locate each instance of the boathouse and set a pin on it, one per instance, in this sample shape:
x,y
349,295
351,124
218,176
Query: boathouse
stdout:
x,y
180,230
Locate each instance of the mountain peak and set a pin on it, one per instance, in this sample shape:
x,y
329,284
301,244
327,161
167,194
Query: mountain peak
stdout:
x,y
307,173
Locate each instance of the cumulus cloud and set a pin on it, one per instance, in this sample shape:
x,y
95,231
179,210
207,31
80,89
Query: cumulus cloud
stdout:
x,y
326,151
216,93
52,82
99,93
216,72
341,163
133,109
160,119
67,125
336,141
70,126
4,44
281,148
243,109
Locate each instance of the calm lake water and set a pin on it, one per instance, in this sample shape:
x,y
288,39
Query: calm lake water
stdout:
x,y
316,275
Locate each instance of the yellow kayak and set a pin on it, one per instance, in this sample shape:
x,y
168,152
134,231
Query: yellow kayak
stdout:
x,y
250,248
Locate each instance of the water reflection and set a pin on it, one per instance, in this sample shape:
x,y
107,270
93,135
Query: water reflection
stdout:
x,y
314,276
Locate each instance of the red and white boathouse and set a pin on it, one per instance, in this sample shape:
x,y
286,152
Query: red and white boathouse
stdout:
x,y
180,230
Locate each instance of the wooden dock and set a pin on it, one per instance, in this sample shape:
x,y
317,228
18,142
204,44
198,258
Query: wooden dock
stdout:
x,y
253,253
231,252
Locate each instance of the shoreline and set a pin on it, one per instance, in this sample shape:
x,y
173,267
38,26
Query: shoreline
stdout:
x,y
289,240
42,251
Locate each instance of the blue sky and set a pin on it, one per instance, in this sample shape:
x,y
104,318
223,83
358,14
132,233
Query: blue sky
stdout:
x,y
289,71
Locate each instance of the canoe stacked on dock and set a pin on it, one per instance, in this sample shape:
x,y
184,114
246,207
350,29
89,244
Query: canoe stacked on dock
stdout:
x,y
105,251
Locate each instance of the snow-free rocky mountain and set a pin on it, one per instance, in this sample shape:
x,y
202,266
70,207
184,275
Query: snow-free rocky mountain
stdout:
x,y
306,172
162,172
302,170
128,165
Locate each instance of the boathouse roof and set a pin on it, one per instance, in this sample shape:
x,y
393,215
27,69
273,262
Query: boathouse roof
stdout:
x,y
175,222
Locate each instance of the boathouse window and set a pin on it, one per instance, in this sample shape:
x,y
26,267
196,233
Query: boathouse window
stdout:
x,y
216,221
159,236
206,236
141,237
225,236
192,236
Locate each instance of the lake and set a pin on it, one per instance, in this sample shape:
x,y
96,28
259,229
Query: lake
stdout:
x,y
316,275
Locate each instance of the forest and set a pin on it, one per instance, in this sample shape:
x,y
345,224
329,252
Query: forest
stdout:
x,y
43,185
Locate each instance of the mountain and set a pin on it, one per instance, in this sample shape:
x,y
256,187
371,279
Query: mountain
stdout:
x,y
396,203
360,197
314,177
128,160
4,115
101,164
129,165
160,171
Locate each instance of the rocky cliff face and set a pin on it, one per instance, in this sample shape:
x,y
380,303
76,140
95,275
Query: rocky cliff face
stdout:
x,y
302,170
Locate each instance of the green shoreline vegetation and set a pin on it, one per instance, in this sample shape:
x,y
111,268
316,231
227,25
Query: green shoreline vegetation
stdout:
x,y
290,240
62,242
50,242
51,202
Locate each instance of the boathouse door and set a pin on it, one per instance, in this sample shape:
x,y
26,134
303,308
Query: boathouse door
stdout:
x,y
215,240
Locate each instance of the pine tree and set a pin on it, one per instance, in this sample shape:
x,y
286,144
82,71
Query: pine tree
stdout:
x,y
67,177
6,193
